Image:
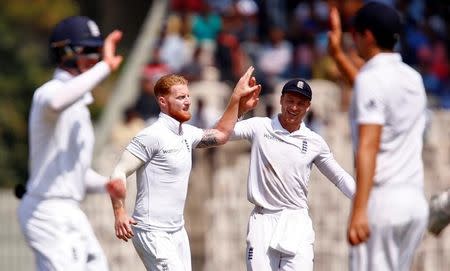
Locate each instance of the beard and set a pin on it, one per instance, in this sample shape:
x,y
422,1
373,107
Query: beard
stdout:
x,y
180,115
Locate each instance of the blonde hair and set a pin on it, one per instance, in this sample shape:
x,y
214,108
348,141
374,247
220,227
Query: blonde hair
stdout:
x,y
164,83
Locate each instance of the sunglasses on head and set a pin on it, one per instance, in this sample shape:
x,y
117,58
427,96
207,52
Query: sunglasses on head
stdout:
x,y
89,52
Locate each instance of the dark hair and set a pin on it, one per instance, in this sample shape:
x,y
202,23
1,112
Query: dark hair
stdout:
x,y
382,20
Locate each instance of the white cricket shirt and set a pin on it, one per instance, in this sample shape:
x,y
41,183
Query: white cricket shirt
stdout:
x,y
390,93
162,182
281,163
61,142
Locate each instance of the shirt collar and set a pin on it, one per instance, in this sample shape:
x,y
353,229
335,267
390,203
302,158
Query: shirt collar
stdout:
x,y
175,126
382,59
64,76
279,129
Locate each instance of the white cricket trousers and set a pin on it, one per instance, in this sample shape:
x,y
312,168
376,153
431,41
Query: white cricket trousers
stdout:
x,y
268,239
163,251
398,218
60,235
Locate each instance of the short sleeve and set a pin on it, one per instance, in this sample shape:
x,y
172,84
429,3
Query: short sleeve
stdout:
x,y
143,147
370,107
244,129
193,134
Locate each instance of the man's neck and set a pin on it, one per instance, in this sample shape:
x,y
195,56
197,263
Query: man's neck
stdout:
x,y
289,127
72,71
375,51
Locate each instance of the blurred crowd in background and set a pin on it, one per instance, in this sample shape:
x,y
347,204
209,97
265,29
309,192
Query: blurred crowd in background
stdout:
x,y
219,39
206,40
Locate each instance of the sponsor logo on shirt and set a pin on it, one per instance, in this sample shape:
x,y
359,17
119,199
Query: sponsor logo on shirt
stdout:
x,y
170,151
271,137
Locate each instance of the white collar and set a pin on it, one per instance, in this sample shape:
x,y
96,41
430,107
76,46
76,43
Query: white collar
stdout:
x,y
382,59
62,75
174,125
279,129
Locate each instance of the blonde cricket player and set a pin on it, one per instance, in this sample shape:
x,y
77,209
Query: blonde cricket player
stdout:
x,y
161,156
61,142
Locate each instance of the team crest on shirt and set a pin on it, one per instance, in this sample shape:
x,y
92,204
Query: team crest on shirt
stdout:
x,y
304,146
187,145
250,254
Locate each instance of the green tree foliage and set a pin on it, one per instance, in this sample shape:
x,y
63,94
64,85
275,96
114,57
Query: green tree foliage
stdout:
x,y
24,29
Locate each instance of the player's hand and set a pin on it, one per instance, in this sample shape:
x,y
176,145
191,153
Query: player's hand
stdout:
x,y
116,189
335,33
123,225
109,50
249,101
243,87
358,230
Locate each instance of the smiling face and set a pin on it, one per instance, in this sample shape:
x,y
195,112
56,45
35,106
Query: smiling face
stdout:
x,y
293,109
176,103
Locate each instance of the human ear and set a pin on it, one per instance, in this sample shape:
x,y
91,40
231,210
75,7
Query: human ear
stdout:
x,y
162,101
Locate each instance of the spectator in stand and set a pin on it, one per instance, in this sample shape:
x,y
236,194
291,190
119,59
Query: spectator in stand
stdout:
x,y
274,59
146,107
206,25
175,51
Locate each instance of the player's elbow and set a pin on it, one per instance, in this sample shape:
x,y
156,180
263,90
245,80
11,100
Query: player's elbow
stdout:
x,y
223,137
54,107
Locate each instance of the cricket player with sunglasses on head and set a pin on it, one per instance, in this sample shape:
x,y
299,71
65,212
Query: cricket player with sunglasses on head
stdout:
x,y
61,143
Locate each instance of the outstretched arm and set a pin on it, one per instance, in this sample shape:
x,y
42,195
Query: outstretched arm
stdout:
x,y
337,175
95,182
329,167
127,165
223,129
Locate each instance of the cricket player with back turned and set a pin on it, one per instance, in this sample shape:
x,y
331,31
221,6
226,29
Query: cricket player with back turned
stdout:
x,y
390,212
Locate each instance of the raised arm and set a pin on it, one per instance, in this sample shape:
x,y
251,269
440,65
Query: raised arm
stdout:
x,y
126,166
221,132
75,88
344,63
